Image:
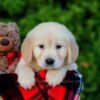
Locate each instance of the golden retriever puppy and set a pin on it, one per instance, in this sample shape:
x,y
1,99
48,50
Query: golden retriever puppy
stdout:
x,y
50,46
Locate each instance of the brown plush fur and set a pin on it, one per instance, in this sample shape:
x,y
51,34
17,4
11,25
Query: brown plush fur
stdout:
x,y
9,42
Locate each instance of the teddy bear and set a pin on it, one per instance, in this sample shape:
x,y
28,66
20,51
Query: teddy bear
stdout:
x,y
9,47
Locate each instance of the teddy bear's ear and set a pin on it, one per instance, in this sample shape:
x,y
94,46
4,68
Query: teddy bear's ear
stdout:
x,y
26,50
2,24
13,27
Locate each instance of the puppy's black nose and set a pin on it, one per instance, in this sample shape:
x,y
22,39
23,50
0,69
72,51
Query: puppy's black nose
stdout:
x,y
49,61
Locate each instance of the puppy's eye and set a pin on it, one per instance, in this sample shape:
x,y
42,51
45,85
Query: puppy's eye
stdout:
x,y
58,46
41,46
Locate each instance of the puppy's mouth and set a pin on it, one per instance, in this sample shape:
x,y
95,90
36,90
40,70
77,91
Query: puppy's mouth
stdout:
x,y
50,63
46,66
50,67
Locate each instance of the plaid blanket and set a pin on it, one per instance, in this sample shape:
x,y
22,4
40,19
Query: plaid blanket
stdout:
x,y
69,89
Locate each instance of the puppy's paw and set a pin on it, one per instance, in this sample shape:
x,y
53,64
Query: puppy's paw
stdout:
x,y
26,79
54,77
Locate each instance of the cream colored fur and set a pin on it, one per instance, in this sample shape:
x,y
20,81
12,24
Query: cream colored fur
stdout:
x,y
48,34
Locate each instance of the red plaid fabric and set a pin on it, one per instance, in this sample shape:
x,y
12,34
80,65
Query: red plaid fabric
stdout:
x,y
11,55
69,89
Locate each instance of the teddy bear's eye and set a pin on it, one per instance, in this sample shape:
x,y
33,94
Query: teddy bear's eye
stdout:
x,y
41,46
6,34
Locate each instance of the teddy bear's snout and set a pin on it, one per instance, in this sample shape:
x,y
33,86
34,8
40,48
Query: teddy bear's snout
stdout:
x,y
5,42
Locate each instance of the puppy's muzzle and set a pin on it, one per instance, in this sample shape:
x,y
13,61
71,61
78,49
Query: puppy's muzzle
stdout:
x,y
49,61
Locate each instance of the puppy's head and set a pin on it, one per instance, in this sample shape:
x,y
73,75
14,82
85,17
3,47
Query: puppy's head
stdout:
x,y
50,45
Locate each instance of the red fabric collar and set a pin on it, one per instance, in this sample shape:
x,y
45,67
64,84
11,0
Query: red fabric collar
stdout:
x,y
11,55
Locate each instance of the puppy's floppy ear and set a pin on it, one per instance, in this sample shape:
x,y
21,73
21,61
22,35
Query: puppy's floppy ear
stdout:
x,y
72,52
26,50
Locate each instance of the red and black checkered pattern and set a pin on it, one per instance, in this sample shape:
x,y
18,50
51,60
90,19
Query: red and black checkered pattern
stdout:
x,y
69,89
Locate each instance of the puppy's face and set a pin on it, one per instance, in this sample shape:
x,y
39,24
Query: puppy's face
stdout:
x,y
50,45
50,50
